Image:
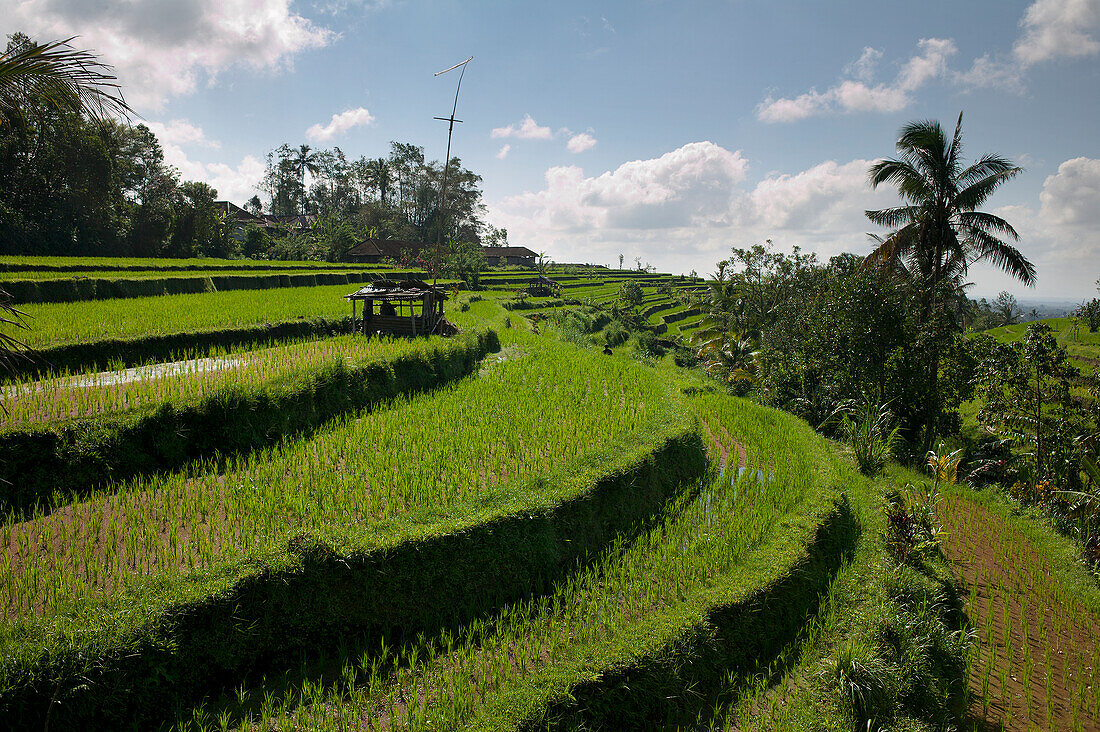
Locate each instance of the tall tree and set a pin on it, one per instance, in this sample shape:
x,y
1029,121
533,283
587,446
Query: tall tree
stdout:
x,y
938,232
305,160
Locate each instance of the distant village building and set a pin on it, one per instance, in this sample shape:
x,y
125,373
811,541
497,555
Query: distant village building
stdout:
x,y
510,255
273,226
376,251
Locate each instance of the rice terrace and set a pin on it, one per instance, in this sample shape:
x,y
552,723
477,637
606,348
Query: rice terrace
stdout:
x,y
347,437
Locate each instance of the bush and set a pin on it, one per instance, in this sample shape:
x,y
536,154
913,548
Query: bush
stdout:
x,y
616,333
871,436
647,345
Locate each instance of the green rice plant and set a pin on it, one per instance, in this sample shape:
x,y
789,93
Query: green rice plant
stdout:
x,y
65,396
552,405
502,665
863,680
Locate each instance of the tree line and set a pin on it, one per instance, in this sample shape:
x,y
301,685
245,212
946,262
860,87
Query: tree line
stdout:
x,y
77,181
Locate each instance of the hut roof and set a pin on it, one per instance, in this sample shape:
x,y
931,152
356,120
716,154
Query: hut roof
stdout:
x,y
392,248
393,290
509,252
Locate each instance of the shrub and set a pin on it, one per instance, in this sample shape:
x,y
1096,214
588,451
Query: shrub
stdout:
x,y
616,333
648,345
871,436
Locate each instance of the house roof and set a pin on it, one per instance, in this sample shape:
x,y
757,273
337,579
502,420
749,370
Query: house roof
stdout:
x,y
509,252
392,248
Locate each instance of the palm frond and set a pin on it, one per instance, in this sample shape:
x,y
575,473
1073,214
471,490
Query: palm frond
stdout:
x,y
895,217
978,192
1004,256
56,75
988,223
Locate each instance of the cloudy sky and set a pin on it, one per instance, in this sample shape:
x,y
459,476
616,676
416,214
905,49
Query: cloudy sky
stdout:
x,y
668,131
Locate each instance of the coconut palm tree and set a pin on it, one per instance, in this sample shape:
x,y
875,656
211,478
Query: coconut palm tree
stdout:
x,y
938,232
378,173
54,74
304,160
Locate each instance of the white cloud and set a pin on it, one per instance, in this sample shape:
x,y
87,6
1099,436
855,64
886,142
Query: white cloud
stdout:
x,y
163,49
180,132
340,123
863,68
858,94
236,184
580,142
1071,198
684,209
504,150
1058,28
988,73
528,129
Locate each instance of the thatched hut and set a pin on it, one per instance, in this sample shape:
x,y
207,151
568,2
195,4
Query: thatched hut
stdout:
x,y
408,307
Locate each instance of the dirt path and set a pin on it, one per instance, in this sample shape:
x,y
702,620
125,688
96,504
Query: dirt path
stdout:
x,y
1038,647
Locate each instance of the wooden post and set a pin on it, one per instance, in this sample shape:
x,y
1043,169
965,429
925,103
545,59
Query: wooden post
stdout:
x,y
353,316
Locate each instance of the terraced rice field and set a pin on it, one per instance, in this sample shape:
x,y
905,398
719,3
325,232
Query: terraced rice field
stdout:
x,y
474,677
72,396
53,324
546,407
1038,660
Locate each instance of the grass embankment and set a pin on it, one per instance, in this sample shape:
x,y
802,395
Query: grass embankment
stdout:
x,y
1036,611
78,289
886,650
12,263
645,635
52,464
174,638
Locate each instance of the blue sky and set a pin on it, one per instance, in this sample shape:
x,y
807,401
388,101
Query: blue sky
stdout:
x,y
660,130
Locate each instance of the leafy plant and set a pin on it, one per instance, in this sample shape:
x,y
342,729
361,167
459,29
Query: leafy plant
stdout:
x,y
863,680
871,435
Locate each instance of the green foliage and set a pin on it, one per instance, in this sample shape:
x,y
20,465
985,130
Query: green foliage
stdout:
x,y
1006,309
616,334
465,261
871,434
937,233
1090,311
1026,393
648,345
